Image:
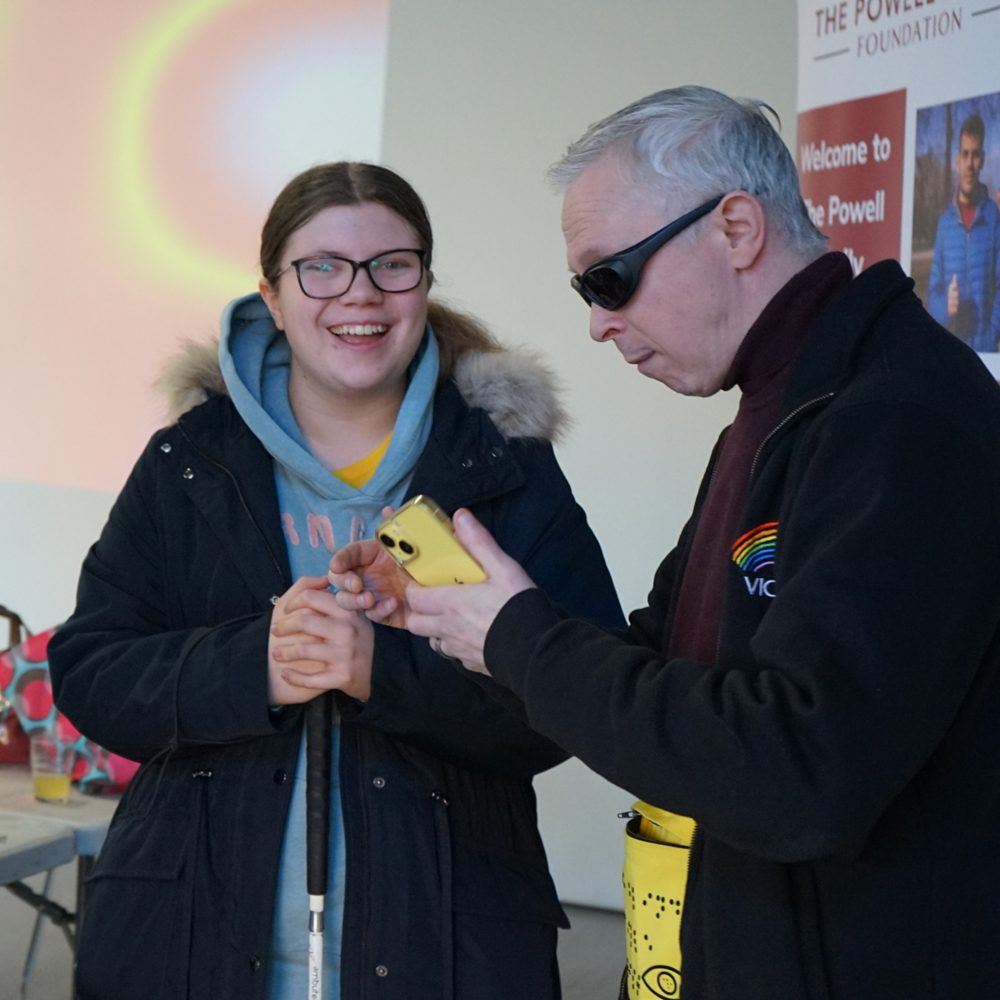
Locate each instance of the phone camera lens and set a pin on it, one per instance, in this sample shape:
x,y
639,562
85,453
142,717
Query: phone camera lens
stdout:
x,y
406,547
387,541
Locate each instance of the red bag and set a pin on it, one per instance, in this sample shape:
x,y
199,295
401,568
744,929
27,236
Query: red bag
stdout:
x,y
24,675
13,739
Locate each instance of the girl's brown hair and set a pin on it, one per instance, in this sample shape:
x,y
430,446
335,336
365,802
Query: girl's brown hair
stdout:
x,y
328,185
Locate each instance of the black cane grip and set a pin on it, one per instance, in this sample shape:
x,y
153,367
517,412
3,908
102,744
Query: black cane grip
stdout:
x,y
319,720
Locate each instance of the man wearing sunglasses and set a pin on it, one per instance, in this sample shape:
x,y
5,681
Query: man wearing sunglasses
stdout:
x,y
815,678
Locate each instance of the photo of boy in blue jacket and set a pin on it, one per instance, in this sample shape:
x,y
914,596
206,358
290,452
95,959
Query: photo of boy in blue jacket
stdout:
x,y
964,269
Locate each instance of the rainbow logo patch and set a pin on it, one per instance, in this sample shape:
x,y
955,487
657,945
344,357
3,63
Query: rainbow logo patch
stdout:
x,y
755,549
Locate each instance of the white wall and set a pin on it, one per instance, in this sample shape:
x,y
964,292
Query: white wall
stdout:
x,y
45,532
481,98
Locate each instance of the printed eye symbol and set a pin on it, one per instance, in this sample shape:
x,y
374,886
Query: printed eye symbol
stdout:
x,y
662,981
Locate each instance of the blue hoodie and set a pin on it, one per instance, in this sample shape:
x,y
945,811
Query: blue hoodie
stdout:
x,y
319,514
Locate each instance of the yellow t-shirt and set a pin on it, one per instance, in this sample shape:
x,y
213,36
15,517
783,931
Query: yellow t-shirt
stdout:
x,y
358,473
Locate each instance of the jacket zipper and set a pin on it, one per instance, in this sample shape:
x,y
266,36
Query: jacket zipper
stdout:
x,y
782,424
787,419
623,988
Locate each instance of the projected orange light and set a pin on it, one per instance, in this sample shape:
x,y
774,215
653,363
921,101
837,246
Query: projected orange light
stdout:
x,y
140,215
155,138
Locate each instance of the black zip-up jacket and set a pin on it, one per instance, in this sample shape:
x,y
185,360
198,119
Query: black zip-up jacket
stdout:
x,y
842,757
164,660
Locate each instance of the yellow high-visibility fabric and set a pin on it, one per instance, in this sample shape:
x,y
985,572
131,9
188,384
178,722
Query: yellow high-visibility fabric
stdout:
x,y
657,854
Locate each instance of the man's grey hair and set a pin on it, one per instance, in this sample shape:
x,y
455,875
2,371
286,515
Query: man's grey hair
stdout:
x,y
694,143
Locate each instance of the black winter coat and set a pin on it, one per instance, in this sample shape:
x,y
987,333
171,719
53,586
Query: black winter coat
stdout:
x,y
164,660
842,756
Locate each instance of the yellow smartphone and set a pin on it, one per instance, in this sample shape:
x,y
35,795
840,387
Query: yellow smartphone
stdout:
x,y
420,537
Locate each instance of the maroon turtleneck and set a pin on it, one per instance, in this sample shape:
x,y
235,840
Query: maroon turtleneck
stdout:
x,y
761,369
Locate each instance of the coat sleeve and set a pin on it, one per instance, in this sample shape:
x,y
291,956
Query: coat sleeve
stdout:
x,y
795,743
123,669
428,701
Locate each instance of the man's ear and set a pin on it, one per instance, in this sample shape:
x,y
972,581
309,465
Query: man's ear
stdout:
x,y
270,297
745,227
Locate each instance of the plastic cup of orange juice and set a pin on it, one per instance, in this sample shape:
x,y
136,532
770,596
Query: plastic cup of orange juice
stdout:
x,y
51,767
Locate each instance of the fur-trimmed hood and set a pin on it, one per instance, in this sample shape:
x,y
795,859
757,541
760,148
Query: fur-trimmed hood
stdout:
x,y
515,387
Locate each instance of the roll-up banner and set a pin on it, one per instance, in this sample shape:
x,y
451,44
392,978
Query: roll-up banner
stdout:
x,y
898,147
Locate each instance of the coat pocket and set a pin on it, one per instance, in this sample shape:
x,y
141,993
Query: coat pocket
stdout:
x,y
506,914
134,937
495,883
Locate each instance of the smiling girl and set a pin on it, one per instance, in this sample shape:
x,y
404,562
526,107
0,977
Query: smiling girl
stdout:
x,y
337,389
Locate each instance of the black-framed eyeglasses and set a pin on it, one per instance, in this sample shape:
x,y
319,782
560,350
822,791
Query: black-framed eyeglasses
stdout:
x,y
612,281
328,276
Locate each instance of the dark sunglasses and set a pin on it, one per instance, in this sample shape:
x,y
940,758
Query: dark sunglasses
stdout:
x,y
612,281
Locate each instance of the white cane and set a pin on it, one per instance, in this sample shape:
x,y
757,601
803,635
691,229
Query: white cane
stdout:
x,y
319,723
319,719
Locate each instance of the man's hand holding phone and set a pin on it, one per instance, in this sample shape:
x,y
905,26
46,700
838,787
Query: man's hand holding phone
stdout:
x,y
456,617
420,537
415,543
